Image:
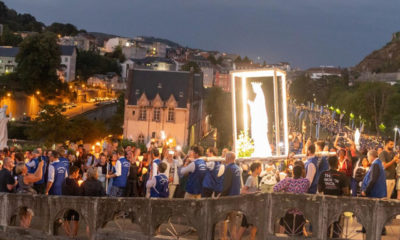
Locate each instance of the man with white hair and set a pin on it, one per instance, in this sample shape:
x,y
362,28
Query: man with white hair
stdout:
x,y
374,183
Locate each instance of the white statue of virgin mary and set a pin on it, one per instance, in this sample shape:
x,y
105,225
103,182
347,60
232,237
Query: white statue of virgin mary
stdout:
x,y
259,123
3,127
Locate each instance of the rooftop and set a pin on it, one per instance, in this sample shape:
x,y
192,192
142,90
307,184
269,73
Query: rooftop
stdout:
x,y
8,51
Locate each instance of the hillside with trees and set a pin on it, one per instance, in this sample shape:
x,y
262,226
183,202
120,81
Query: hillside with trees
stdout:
x,y
384,60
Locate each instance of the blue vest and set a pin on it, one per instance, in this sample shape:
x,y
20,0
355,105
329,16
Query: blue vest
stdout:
x,y
314,184
161,188
323,165
33,170
156,161
211,179
65,161
379,189
120,181
195,179
236,183
59,177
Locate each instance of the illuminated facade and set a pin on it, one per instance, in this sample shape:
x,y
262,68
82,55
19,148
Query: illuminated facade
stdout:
x,y
165,102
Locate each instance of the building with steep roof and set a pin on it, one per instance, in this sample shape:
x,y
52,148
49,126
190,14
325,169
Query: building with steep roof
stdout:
x,y
7,59
68,62
164,102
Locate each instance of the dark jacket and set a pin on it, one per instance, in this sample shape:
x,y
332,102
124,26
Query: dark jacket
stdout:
x,y
70,187
93,187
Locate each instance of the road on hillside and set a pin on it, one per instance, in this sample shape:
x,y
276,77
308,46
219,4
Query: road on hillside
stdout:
x,y
79,109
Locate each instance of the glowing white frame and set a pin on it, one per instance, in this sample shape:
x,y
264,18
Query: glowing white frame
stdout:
x,y
267,72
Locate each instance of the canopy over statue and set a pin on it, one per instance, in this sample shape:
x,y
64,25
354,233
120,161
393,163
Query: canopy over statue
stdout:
x,y
3,127
259,109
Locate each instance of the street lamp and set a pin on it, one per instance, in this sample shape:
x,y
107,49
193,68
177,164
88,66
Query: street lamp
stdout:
x,y
38,92
395,135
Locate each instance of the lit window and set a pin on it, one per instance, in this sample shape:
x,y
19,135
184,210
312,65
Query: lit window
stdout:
x,y
142,114
156,115
171,115
141,139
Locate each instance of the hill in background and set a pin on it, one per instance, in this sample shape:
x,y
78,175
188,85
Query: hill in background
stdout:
x,y
384,60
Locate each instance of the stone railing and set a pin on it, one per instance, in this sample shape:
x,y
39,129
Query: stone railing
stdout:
x,y
261,209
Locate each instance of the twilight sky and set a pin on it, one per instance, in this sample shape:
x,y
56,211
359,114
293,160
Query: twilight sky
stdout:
x,y
303,32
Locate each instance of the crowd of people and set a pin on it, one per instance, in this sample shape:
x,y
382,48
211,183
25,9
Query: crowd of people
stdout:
x,y
167,172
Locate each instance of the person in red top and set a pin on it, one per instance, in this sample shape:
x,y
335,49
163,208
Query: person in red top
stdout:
x,y
345,162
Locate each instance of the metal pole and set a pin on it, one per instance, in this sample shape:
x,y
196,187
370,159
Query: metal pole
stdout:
x,y
278,158
276,109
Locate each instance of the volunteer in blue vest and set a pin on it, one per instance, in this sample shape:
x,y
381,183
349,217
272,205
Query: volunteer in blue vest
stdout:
x,y
57,174
212,183
32,165
120,176
196,170
374,183
232,182
231,187
158,184
312,171
63,157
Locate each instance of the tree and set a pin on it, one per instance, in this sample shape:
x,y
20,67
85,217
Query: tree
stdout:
x,y
212,59
9,38
373,97
38,60
300,89
64,29
89,63
218,106
117,54
116,122
50,126
191,66
81,128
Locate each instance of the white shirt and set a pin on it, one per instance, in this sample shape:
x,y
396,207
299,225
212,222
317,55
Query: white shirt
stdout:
x,y
175,164
118,168
211,166
311,170
52,172
188,169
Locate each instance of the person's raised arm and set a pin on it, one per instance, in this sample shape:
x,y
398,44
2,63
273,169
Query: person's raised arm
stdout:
x,y
31,178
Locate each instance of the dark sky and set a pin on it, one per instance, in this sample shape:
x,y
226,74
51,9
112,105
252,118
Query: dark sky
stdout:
x,y
303,32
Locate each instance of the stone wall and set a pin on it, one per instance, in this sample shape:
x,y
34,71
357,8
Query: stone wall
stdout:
x,y
203,214
103,112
